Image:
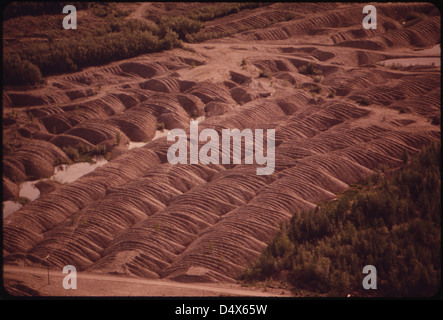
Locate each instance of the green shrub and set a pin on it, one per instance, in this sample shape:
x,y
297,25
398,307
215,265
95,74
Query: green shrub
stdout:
x,y
363,101
264,74
160,126
170,41
23,200
213,11
19,72
122,13
101,12
315,89
83,153
310,69
181,25
59,161
317,78
332,94
71,152
70,55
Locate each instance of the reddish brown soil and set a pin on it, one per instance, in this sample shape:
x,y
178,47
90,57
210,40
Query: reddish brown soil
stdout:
x,y
141,216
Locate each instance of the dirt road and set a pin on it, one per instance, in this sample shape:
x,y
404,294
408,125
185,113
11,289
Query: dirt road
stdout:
x,y
93,284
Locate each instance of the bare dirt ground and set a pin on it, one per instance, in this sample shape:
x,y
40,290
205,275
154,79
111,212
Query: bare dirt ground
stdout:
x,y
22,281
164,229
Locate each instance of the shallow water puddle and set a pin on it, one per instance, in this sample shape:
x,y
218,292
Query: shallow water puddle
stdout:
x,y
10,207
133,145
69,173
435,50
64,174
431,56
29,190
412,61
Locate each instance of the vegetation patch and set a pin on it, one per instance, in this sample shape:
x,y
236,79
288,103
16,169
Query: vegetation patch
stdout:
x,y
160,126
71,55
19,72
311,69
332,94
363,101
314,88
391,221
219,10
264,74
116,39
83,153
22,200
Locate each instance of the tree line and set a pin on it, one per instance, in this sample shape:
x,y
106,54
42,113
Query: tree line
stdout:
x,y
118,39
391,221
